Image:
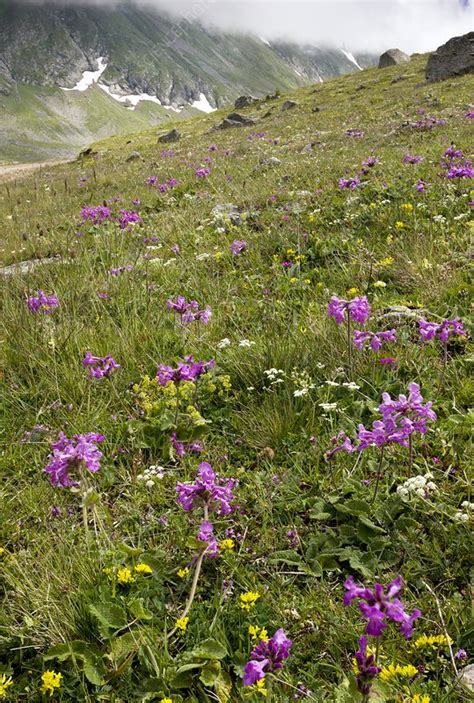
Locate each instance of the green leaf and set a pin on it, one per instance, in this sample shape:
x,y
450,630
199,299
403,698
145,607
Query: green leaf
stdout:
x,y
210,673
110,617
139,611
286,556
209,649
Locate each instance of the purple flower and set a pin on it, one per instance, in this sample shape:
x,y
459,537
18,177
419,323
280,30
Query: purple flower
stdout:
x,y
343,444
42,303
371,161
127,218
186,370
151,180
358,308
206,534
421,186
208,490
97,214
267,657
72,455
461,654
469,115
376,339
189,311
367,668
377,606
121,269
203,172
238,246
99,367
350,183
442,330
411,409
354,133
387,361
183,448
409,159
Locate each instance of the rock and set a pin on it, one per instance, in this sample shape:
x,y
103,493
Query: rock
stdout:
x,y
392,57
467,677
87,152
170,137
236,120
397,79
244,101
133,156
288,105
26,266
316,109
455,58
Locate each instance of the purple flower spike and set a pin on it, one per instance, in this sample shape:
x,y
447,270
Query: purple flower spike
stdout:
x,y
186,370
99,367
72,455
367,668
267,657
375,339
189,311
238,246
377,606
442,330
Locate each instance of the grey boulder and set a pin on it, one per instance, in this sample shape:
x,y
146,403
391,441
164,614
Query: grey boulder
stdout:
x,y
455,58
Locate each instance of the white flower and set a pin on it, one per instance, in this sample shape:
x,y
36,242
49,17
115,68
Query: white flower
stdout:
x,y
332,383
140,477
246,343
402,491
351,386
203,256
224,343
251,388
328,406
420,492
150,483
300,392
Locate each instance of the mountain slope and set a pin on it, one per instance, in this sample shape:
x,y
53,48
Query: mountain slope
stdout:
x,y
50,46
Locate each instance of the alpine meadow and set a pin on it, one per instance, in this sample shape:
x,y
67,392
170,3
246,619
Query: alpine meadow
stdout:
x,y
236,402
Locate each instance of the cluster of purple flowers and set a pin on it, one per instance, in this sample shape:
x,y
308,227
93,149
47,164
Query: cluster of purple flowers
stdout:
x,y
214,495
203,172
42,303
427,123
358,309
98,366
400,419
349,183
369,163
455,165
127,218
162,187
207,490
189,311
186,370
358,133
121,269
267,657
74,454
238,246
377,606
376,339
421,186
96,215
412,159
441,330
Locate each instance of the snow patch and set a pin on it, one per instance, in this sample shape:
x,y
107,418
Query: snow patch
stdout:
x,y
90,77
352,59
136,98
203,104
265,41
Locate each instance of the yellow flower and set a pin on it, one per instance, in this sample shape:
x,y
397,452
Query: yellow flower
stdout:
x,y
293,280
399,225
352,291
124,575
420,698
2,551
290,251
258,633
166,700
432,641
181,624
388,261
373,205
218,255
307,281
5,682
227,545
389,239
142,568
182,573
260,687
398,670
49,681
379,284
248,600
407,206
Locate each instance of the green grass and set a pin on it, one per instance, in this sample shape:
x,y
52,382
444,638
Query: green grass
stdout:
x,y
107,643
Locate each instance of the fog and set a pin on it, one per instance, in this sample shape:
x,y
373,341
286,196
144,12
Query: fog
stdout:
x,y
367,25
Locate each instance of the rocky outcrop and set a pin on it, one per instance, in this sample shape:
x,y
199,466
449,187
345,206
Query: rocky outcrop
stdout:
x,y
170,137
236,120
288,105
454,58
244,101
392,57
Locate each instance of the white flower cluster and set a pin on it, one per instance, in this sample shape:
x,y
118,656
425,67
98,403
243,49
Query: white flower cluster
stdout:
x,y
151,475
417,486
274,376
461,516
224,343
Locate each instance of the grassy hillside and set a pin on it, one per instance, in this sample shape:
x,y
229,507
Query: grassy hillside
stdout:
x,y
130,594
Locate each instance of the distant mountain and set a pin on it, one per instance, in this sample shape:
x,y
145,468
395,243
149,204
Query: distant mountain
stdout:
x,y
172,66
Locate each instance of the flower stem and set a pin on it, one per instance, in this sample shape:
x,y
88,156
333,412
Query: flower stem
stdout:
x,y
349,346
379,473
410,449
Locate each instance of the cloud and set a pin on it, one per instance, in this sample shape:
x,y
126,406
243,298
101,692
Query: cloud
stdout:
x,y
359,25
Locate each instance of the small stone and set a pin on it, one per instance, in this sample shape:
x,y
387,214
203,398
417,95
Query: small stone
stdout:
x,y
288,105
170,137
133,156
244,101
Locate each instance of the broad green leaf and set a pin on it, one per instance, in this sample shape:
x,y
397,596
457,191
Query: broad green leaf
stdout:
x,y
209,649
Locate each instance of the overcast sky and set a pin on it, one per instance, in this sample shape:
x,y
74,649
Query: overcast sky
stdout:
x,y
375,25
